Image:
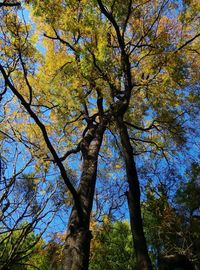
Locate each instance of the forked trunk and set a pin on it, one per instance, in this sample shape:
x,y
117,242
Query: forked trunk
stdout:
x,y
77,244
133,195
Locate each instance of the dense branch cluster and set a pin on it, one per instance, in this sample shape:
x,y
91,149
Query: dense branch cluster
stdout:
x,y
93,92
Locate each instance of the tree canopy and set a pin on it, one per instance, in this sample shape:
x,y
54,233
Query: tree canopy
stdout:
x,y
97,99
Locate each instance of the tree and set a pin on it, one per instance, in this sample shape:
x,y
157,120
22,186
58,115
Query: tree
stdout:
x,y
171,231
30,254
187,204
26,204
111,247
133,75
22,212
78,232
123,93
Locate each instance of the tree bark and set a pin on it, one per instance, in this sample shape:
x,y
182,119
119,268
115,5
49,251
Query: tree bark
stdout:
x,y
175,261
133,196
77,243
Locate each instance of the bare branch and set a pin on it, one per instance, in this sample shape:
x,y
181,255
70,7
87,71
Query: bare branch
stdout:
x,y
151,126
7,4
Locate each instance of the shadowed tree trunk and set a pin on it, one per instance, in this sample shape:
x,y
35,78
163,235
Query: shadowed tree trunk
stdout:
x,y
175,261
77,245
133,196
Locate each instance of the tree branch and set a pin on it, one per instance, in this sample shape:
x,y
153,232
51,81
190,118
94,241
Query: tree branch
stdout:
x,y
72,151
61,40
141,128
187,42
48,143
7,4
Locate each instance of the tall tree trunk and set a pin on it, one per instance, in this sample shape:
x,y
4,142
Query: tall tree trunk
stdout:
x,y
133,195
77,244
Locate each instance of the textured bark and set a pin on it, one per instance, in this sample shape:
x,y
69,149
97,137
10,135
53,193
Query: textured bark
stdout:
x,y
133,195
77,244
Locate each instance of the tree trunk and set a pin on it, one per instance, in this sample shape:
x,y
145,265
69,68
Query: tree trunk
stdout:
x,y
133,195
77,244
175,261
